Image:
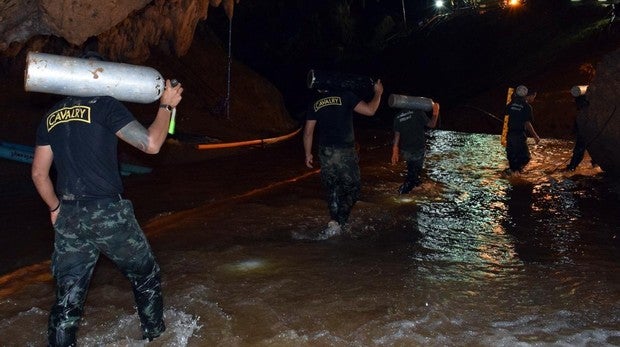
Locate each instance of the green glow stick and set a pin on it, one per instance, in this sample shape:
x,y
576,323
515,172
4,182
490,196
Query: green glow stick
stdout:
x,y
173,115
173,121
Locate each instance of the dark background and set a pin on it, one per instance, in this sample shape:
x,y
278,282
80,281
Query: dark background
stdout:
x,y
457,56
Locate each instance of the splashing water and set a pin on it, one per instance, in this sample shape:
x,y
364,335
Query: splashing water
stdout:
x,y
469,258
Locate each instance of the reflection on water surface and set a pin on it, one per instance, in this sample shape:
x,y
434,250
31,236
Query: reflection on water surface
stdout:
x,y
469,258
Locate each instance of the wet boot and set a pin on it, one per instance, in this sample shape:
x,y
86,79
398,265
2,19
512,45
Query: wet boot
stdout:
x,y
149,301
404,188
154,332
64,320
62,337
333,229
407,186
67,310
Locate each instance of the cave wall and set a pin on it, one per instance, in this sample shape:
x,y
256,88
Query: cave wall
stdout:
x,y
76,21
601,123
125,29
169,36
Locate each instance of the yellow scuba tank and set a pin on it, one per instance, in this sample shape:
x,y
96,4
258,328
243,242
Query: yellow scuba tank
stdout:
x,y
505,126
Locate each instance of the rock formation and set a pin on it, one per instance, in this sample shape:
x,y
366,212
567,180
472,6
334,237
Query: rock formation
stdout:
x,y
601,124
125,28
158,33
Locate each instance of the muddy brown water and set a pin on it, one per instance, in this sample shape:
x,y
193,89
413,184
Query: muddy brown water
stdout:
x,y
470,258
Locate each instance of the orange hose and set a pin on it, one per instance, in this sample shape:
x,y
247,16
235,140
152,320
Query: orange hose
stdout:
x,y
247,143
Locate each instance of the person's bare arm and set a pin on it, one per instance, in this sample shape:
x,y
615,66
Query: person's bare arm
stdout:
x,y
369,108
150,140
395,148
308,135
40,171
530,129
433,121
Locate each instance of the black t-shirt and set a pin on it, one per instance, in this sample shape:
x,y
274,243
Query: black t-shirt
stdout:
x,y
411,124
519,112
334,115
81,132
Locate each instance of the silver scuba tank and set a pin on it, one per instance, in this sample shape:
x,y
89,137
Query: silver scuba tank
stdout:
x,y
49,73
410,102
576,91
338,81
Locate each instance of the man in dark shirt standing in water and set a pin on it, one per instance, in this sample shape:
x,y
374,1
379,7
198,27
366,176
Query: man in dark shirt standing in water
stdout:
x,y
520,117
80,136
579,149
340,173
409,138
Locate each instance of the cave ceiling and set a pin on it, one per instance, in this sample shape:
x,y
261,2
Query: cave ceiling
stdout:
x,y
124,29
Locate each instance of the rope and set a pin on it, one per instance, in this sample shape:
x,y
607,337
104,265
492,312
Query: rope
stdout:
x,y
485,112
587,144
229,68
592,140
602,128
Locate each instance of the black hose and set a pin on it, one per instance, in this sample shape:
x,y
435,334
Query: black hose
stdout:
x,y
485,112
592,140
602,128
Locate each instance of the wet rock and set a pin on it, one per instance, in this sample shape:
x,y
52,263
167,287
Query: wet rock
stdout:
x,y
601,123
124,28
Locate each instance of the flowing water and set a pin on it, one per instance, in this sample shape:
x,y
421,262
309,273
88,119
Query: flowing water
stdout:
x,y
471,258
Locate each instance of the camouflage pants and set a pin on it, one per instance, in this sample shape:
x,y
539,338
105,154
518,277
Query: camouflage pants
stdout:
x,y
82,232
340,176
